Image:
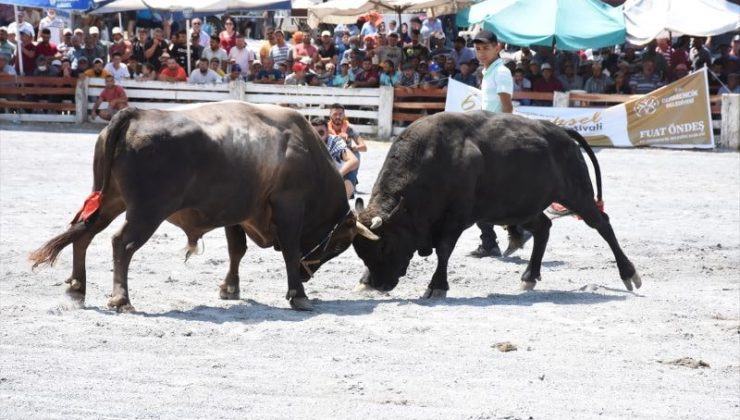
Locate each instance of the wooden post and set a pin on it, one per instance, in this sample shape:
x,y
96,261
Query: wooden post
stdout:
x,y
561,99
385,113
81,90
729,136
238,90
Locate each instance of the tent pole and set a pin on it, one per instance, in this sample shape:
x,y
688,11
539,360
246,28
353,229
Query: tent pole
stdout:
x,y
187,31
120,23
18,42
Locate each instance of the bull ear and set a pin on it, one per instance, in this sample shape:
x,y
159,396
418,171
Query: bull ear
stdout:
x,y
359,205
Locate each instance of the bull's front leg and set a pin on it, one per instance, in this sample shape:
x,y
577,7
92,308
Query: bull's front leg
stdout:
x,y
288,219
438,287
540,228
237,242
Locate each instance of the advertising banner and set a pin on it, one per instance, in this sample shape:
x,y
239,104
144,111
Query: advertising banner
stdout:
x,y
676,115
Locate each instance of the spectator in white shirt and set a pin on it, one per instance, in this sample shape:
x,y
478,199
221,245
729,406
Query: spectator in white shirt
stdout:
x,y
116,68
22,25
241,55
55,25
203,74
204,36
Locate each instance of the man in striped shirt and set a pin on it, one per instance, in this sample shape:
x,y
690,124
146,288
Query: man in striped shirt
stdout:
x,y
341,155
645,81
279,52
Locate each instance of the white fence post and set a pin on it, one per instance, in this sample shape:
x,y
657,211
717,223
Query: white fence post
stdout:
x,y
561,99
81,100
730,128
385,113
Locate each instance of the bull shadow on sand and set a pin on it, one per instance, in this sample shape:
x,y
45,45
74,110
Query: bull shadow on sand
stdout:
x,y
249,311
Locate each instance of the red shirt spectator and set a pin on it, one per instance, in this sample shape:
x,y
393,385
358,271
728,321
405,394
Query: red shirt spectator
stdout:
x,y
46,47
173,72
228,36
28,51
547,83
369,77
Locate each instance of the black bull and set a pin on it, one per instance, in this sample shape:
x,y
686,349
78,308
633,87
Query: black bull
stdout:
x,y
259,169
450,170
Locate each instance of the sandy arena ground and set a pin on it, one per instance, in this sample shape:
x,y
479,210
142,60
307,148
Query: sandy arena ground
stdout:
x,y
586,348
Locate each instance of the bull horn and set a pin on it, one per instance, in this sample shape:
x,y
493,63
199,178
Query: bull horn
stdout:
x,y
362,230
376,223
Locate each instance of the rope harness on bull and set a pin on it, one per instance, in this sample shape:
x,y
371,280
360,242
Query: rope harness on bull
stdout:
x,y
323,244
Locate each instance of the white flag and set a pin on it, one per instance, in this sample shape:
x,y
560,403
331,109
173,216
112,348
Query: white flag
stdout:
x,y
462,98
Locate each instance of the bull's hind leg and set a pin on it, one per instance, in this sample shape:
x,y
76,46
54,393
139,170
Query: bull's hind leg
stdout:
x,y
134,233
438,287
237,240
600,221
540,228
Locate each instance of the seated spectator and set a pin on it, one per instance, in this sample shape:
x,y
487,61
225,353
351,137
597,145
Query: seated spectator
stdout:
x,y
66,43
391,51
598,82
369,76
279,53
522,84
460,53
172,72
82,66
5,68
354,51
120,45
155,48
234,75
116,68
148,73
203,74
345,78
699,54
732,85
269,75
569,79
621,85
547,83
416,50
322,76
681,70
214,50
439,49
216,66
389,75
45,47
134,69
114,95
423,69
298,77
645,81
449,70
435,79
409,77
256,68
466,75
533,73
343,159
327,51
371,49
97,70
242,55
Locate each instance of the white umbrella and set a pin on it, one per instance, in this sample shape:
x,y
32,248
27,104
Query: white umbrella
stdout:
x,y
645,20
347,11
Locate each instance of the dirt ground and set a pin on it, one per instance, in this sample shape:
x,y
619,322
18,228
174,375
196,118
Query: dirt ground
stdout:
x,y
585,348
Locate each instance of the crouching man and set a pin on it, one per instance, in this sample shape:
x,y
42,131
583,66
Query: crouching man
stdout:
x,y
345,161
114,95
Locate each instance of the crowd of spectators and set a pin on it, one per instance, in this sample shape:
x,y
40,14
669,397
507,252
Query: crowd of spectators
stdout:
x,y
370,53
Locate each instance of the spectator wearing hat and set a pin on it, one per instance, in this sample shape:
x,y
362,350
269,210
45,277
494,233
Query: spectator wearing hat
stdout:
x,y
6,48
122,46
327,51
269,75
44,67
54,23
214,50
138,47
172,71
27,52
569,79
203,74
298,77
242,55
344,77
20,25
100,46
45,47
434,79
66,69
116,68
83,65
97,70
234,74
322,76
66,44
497,88
391,51
93,51
370,27
302,49
547,83
369,77
114,95
154,48
279,53
598,82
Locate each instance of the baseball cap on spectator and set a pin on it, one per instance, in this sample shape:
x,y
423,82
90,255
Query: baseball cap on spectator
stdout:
x,y
67,31
344,62
25,31
460,40
298,67
79,31
94,30
98,60
236,67
485,37
434,67
4,28
116,30
546,66
83,58
56,63
326,33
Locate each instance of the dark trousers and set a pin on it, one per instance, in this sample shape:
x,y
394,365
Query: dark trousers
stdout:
x,y
488,236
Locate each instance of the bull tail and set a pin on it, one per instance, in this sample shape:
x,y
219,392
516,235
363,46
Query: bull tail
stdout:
x,y
82,221
590,152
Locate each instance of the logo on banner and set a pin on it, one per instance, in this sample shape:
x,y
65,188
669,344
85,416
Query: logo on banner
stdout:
x,y
646,106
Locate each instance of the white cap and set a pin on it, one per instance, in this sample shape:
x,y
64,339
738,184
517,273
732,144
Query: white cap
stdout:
x,y
94,30
116,30
56,63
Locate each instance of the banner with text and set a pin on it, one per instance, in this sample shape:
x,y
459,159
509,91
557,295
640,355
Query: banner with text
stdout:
x,y
676,115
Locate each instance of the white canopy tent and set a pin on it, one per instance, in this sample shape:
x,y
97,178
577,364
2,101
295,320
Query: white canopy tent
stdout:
x,y
347,11
646,20
200,6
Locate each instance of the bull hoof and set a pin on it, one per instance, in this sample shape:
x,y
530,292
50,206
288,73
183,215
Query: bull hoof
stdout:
x,y
120,304
301,304
527,285
635,279
74,284
517,242
363,288
434,293
228,292
77,296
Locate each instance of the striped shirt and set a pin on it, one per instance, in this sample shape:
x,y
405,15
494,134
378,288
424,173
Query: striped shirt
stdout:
x,y
640,84
279,54
336,147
